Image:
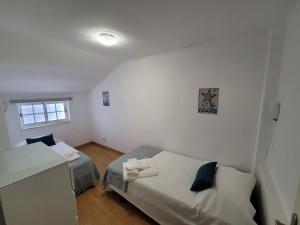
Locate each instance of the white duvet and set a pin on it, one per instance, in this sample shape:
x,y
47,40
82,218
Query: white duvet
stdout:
x,y
168,199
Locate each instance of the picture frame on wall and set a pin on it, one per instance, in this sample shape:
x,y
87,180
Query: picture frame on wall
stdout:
x,y
105,98
208,100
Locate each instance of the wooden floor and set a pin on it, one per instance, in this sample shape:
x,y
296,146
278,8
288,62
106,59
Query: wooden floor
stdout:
x,y
97,207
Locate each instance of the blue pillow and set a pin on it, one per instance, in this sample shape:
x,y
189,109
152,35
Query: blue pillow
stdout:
x,y
47,140
205,177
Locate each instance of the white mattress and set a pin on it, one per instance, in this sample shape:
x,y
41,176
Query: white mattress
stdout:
x,y
167,197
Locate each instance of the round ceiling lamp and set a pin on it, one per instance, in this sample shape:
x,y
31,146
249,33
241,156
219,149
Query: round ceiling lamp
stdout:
x,y
107,39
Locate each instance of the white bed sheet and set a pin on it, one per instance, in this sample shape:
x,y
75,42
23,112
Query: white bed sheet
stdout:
x,y
167,197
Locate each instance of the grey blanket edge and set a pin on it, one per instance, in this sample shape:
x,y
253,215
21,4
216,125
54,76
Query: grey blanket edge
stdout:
x,y
85,173
114,172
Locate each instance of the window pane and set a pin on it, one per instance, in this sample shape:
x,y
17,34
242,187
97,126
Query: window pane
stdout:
x,y
39,118
28,119
60,107
61,115
52,116
38,108
26,109
50,107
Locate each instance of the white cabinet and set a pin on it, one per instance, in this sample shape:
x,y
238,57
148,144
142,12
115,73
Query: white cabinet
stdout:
x,y
35,187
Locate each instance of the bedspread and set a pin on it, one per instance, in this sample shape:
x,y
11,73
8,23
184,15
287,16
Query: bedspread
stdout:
x,y
114,172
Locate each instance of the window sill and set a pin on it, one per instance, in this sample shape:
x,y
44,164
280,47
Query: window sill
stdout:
x,y
46,125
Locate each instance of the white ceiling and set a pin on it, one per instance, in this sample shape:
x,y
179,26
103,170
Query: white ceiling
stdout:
x,y
45,47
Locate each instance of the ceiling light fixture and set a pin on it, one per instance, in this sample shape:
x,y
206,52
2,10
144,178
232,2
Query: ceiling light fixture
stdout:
x,y
107,39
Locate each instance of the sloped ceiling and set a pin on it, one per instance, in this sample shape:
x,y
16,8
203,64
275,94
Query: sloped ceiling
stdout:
x,y
46,46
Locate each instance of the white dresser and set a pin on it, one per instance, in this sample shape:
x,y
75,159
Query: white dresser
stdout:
x,y
35,187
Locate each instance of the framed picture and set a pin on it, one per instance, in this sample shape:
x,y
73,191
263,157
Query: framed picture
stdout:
x,y
105,97
208,100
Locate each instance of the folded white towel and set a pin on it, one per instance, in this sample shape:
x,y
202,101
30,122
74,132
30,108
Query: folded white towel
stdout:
x,y
63,148
131,164
132,173
149,172
129,175
133,160
141,164
66,151
71,156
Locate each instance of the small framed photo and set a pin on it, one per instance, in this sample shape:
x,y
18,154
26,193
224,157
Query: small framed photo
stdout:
x,y
208,100
105,98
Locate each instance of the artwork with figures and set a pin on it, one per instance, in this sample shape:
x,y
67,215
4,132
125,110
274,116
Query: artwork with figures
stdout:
x,y
105,97
208,100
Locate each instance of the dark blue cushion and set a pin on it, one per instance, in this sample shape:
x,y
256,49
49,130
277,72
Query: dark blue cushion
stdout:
x,y
47,140
205,177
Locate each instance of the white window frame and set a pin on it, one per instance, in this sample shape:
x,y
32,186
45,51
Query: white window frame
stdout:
x,y
47,122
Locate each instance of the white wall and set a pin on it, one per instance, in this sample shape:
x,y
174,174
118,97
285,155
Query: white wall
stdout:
x,y
268,100
284,154
4,142
154,101
75,133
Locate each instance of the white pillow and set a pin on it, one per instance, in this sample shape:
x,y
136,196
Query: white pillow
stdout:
x,y
236,187
229,200
232,181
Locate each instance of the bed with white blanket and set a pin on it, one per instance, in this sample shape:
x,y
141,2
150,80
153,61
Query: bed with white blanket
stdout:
x,y
168,200
84,171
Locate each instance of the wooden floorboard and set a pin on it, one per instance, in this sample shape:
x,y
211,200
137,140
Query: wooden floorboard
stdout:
x,y
97,207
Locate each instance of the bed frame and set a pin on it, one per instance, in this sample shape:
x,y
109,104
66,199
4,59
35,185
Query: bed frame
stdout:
x,y
129,199
268,205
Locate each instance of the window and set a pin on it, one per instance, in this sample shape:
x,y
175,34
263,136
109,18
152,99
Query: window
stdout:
x,y
37,114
